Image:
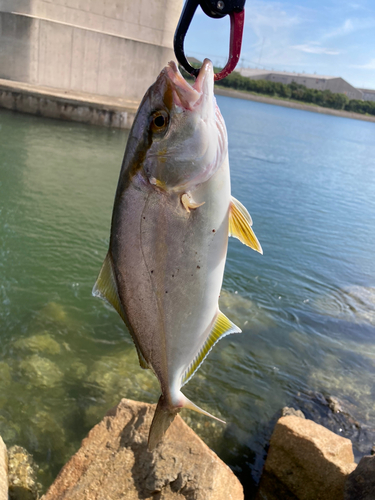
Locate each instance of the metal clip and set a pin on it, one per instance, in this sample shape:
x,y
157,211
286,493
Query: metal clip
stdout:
x,y
215,9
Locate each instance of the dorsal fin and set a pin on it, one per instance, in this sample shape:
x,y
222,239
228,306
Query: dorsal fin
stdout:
x,y
222,327
106,288
240,226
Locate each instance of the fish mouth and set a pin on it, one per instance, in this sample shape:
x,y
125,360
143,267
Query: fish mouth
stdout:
x,y
189,96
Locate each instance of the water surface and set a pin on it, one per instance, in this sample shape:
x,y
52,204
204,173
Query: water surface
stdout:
x,y
306,307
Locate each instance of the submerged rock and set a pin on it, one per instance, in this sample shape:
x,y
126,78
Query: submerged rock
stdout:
x,y
355,304
360,484
306,462
3,471
54,312
5,374
244,312
41,372
286,412
119,374
22,475
40,343
113,463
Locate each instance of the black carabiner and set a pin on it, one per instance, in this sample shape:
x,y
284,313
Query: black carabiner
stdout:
x,y
215,9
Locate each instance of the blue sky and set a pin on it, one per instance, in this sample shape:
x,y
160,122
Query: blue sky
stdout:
x,y
327,37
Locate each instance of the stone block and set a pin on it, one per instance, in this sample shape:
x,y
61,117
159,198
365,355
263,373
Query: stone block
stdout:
x,y
3,471
114,463
306,461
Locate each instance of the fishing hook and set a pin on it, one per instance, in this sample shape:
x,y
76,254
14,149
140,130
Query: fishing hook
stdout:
x,y
215,9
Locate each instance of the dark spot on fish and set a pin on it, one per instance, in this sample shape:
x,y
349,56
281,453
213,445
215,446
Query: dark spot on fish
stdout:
x,y
166,291
172,275
198,267
152,272
214,230
144,217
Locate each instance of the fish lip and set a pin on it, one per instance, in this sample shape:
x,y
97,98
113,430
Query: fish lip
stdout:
x,y
190,96
204,78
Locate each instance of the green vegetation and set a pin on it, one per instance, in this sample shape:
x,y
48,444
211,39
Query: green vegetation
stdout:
x,y
295,92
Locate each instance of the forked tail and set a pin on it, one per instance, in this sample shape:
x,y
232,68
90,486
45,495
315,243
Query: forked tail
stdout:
x,y
164,416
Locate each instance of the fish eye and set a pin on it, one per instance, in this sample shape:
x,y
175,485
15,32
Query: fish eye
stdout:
x,y
159,121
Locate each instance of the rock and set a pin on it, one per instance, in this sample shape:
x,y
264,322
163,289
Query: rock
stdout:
x,y
113,463
360,484
54,312
3,471
306,462
286,412
5,375
39,343
22,475
41,372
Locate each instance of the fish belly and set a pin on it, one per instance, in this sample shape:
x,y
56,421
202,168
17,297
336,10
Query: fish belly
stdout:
x,y
169,264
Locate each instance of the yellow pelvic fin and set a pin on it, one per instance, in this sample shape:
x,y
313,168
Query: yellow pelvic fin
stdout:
x,y
106,288
240,226
222,327
189,203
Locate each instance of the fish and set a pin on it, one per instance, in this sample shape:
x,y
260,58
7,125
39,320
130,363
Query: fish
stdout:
x,y
172,215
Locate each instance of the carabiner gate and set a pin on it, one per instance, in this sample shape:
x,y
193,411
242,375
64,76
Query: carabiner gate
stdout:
x,y
215,9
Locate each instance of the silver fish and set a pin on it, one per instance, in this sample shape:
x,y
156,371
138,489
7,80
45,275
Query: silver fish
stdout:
x,y
172,215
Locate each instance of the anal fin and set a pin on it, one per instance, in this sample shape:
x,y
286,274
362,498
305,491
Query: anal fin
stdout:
x,y
240,226
222,327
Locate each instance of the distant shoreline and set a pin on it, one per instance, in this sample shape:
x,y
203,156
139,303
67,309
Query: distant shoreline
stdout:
x,y
291,104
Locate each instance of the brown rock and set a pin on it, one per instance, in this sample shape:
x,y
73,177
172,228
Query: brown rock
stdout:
x,y
360,485
306,461
3,471
113,463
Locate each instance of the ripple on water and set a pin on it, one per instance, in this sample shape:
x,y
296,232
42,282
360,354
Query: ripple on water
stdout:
x,y
354,303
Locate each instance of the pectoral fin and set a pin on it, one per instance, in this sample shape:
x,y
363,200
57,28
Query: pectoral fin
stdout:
x,y
106,288
222,327
240,226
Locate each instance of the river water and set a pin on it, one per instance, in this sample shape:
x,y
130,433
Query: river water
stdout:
x,y
306,307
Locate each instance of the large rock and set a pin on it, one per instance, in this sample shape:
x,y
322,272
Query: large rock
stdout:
x,y
22,472
113,463
360,485
306,462
3,471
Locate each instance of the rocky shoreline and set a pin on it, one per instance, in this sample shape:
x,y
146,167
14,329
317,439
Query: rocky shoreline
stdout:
x,y
291,104
305,461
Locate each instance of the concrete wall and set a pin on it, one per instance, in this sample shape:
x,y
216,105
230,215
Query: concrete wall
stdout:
x,y
368,94
106,47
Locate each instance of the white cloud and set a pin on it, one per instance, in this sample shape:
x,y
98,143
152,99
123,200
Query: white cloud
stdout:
x,y
273,25
345,29
369,65
315,48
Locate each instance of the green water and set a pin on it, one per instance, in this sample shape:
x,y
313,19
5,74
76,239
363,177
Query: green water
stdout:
x,y
306,307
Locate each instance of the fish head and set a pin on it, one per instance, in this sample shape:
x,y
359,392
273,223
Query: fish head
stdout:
x,y
183,133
